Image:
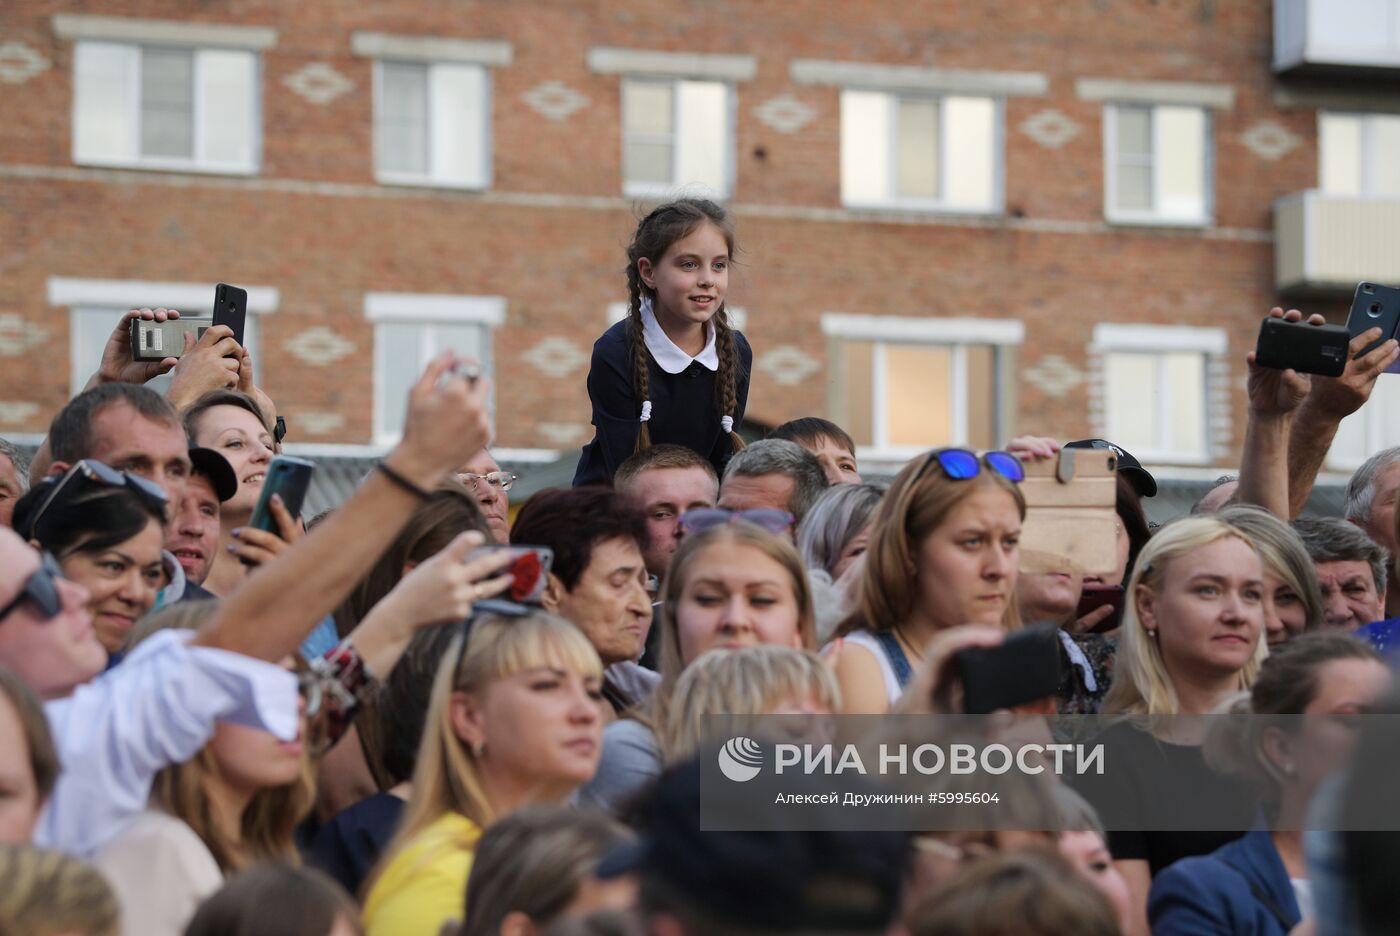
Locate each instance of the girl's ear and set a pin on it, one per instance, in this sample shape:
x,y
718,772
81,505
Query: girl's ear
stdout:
x,y
468,723
1146,603
646,271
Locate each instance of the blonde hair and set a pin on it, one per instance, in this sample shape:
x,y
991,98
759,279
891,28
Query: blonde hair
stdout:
x,y
918,502
738,533
446,777
737,684
1141,684
45,893
1283,554
268,823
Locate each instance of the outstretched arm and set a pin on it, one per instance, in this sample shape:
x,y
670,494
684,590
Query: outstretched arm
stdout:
x,y
1274,397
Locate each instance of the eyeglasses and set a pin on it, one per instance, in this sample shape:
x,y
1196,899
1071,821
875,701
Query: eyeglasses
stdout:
x,y
776,522
497,479
41,588
95,472
963,464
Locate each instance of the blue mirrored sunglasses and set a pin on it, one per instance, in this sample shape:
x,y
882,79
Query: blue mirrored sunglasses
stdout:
x,y
962,464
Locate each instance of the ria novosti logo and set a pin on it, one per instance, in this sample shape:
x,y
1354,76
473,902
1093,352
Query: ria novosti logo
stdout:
x,y
740,759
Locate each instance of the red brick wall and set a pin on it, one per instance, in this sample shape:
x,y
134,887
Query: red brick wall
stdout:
x,y
558,262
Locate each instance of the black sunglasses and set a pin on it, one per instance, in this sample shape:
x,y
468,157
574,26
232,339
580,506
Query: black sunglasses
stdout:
x,y
962,464
41,588
95,472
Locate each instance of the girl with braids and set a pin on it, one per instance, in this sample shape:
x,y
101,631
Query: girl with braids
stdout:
x,y
673,371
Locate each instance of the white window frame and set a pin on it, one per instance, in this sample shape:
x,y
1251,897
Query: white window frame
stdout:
x,y
894,200
1210,343
957,334
110,298
1110,157
663,189
1368,159
429,179
167,163
426,310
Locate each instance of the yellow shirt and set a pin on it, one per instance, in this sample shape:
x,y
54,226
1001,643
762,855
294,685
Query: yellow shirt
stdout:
x,y
425,884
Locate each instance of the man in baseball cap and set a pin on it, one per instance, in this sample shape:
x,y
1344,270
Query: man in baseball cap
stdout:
x,y
194,529
1138,476
760,882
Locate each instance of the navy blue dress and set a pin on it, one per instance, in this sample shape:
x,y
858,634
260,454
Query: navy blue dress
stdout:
x,y
684,410
352,842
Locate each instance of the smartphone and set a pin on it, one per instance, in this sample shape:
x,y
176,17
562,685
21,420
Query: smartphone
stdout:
x,y
231,309
1071,513
1375,306
291,478
529,570
1308,349
155,341
1095,597
1025,668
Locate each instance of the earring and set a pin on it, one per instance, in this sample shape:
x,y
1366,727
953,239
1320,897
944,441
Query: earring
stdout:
x,y
478,747
1152,634
1288,769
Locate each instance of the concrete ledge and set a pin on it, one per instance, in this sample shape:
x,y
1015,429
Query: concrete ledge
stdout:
x,y
76,26
913,78
1199,94
921,328
434,307
138,294
607,60
489,52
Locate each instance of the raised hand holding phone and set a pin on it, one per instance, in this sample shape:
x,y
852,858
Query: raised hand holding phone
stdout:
x,y
447,422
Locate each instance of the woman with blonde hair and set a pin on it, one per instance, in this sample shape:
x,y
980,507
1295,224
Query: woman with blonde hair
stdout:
x,y
1192,635
730,587
232,805
944,551
514,719
1292,597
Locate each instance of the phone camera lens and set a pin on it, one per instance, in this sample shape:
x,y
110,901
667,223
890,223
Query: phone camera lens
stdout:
x,y
1374,310
1368,289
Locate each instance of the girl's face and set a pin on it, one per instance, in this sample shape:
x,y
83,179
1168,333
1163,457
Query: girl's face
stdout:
x,y
1210,611
1090,857
736,595
966,568
19,795
241,438
853,551
250,760
540,727
1324,743
690,279
122,582
1285,616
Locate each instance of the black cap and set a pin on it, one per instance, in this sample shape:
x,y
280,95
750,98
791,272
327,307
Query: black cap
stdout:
x,y
210,464
826,879
1141,480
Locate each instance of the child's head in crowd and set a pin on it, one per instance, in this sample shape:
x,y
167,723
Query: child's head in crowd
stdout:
x,y
831,445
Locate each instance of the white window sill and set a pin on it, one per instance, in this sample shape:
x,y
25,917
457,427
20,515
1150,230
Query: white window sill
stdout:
x,y
1150,457
168,165
669,190
408,181
1151,220
914,206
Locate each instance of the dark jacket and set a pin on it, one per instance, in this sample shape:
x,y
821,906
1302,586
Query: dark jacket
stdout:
x,y
1240,889
683,407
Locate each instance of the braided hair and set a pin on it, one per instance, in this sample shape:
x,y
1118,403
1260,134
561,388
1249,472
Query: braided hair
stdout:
x,y
661,228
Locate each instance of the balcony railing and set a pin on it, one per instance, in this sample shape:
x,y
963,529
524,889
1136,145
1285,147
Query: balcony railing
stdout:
x,y
1329,243
1336,36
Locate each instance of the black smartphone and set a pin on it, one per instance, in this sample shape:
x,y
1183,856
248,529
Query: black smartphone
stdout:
x,y
1024,668
1308,349
529,570
231,309
291,478
1097,596
1375,306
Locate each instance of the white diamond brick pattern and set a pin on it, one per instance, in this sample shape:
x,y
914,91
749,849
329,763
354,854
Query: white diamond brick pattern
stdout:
x,y
788,365
315,422
785,113
16,412
554,100
319,346
18,335
1269,140
318,83
1050,128
1054,375
19,63
556,356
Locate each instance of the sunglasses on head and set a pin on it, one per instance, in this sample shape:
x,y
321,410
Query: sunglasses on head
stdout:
x,y
92,471
962,464
41,588
776,522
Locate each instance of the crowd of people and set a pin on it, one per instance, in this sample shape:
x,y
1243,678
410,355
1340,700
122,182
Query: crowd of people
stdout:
x,y
356,723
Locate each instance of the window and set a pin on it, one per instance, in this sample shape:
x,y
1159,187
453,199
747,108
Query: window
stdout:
x,y
939,153
1156,390
166,107
1158,164
411,329
1368,430
904,385
432,124
676,134
1358,154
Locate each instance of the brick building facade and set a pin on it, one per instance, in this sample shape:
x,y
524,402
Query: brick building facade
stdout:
x,y
958,221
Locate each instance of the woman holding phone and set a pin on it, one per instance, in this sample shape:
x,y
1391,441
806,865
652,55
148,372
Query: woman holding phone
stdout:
x,y
231,423
944,551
